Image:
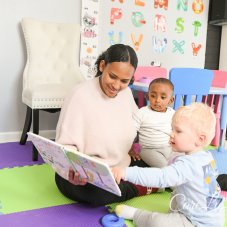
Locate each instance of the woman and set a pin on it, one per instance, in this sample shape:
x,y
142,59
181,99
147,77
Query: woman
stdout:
x,y
97,119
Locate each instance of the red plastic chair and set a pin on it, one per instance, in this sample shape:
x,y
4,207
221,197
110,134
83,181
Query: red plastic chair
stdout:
x,y
146,74
220,81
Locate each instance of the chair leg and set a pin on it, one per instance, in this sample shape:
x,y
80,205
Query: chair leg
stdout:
x,y
36,131
216,140
27,126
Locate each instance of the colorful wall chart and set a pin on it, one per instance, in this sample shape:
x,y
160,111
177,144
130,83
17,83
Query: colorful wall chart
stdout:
x,y
170,32
89,37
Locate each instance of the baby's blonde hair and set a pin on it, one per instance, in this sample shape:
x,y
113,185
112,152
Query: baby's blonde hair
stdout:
x,y
201,118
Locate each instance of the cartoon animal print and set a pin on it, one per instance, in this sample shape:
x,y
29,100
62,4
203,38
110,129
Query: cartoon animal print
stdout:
x,y
89,22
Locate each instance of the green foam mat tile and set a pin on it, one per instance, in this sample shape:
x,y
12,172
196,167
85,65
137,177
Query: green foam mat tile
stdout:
x,y
29,187
210,147
225,225
154,202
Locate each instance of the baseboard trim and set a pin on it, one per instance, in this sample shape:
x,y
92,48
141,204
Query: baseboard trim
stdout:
x,y
6,137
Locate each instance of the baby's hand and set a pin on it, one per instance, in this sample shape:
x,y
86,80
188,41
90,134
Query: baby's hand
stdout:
x,y
118,173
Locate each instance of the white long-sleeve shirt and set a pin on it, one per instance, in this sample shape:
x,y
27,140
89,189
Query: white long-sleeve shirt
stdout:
x,y
197,191
154,127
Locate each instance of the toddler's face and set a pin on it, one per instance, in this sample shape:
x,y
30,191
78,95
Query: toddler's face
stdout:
x,y
184,137
160,96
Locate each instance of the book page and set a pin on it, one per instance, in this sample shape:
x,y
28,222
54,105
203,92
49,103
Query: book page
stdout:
x,y
52,154
61,158
96,172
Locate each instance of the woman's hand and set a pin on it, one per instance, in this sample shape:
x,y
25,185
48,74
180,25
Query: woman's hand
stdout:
x,y
75,178
134,154
118,173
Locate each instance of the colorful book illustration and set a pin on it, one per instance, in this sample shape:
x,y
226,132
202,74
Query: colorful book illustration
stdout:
x,y
61,158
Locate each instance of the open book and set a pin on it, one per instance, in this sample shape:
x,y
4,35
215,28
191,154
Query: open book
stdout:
x,y
60,158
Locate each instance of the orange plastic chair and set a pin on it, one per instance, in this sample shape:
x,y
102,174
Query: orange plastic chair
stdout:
x,y
214,101
146,74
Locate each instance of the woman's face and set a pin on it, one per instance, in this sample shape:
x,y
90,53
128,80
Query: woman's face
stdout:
x,y
115,77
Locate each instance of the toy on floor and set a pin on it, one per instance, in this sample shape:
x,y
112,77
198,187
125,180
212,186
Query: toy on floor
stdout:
x,y
111,220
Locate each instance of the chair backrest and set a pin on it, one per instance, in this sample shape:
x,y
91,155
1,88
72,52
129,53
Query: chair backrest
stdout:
x,y
52,53
214,101
220,79
189,83
149,73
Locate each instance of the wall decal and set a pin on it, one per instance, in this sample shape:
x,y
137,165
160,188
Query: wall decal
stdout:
x,y
113,40
160,23
89,37
195,49
139,3
159,45
121,1
182,4
179,24
196,25
138,19
89,23
197,6
161,30
136,43
161,4
178,46
115,13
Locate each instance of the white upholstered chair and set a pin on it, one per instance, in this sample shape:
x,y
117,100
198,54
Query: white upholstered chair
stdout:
x,y
51,70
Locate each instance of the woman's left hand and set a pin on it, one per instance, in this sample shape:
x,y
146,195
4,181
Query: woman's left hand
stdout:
x,y
75,178
134,154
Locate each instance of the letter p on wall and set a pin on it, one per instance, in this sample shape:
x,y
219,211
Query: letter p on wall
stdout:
x,y
115,13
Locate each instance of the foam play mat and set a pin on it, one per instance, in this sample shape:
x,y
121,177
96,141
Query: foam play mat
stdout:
x,y
28,188
29,197
71,215
13,154
156,202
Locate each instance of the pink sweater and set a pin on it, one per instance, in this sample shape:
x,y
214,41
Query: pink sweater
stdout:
x,y
97,125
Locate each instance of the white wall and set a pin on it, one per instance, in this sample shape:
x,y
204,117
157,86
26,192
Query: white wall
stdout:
x,y
13,57
223,49
152,46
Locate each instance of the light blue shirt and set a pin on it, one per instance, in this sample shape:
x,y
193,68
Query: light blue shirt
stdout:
x,y
197,191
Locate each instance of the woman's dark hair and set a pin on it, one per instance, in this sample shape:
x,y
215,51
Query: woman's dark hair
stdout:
x,y
117,53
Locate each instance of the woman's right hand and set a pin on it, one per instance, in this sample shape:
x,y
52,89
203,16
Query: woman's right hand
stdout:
x,y
118,173
75,178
